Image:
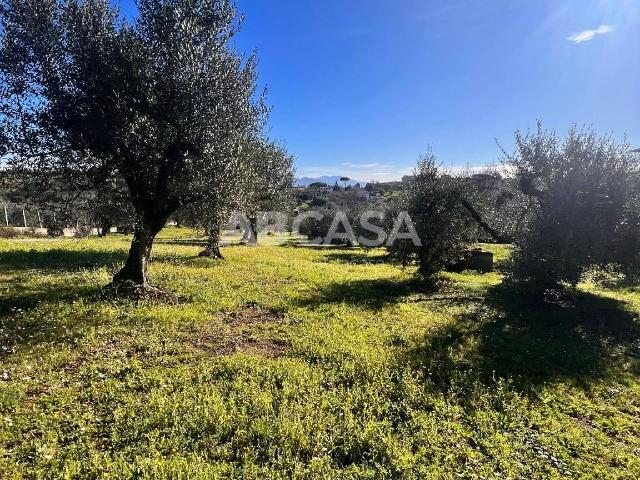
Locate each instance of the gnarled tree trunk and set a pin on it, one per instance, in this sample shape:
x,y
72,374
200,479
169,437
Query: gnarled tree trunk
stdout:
x,y
253,224
134,270
212,250
251,234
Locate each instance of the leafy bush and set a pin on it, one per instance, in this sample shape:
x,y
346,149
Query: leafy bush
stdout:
x,y
7,232
433,201
20,232
319,228
584,191
607,276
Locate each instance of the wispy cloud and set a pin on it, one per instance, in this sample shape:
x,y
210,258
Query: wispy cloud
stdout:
x,y
362,165
587,35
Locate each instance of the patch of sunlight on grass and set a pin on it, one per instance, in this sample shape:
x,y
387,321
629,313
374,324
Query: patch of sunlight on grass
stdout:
x,y
291,362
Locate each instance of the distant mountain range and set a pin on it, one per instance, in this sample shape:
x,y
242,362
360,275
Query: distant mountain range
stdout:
x,y
329,180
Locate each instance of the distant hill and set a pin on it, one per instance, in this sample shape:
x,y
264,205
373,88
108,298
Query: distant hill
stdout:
x,y
329,180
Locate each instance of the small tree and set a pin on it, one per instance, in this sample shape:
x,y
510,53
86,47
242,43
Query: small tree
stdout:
x,y
585,190
317,186
433,201
268,182
163,100
211,214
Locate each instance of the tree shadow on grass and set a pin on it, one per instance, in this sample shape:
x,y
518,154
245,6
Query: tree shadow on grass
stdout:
x,y
371,294
529,344
183,242
356,258
67,260
318,246
20,327
61,259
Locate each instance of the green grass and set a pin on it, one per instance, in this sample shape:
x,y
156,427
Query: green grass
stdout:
x,y
285,362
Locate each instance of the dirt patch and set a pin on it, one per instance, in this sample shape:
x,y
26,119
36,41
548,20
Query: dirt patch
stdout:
x,y
248,330
585,422
253,314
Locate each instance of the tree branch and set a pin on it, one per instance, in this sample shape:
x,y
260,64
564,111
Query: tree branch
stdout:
x,y
485,226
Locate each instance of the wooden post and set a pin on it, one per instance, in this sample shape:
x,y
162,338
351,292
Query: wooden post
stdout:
x,y
6,215
24,218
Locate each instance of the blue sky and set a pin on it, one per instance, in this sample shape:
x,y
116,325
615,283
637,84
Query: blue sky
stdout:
x,y
362,87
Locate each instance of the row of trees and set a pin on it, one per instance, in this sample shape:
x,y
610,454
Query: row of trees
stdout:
x,y
572,204
567,205
54,204
161,107
159,115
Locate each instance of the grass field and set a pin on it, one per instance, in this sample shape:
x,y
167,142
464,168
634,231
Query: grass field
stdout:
x,y
284,362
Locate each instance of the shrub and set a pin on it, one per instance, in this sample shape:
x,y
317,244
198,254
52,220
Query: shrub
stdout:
x,y
584,192
319,228
8,232
433,201
20,232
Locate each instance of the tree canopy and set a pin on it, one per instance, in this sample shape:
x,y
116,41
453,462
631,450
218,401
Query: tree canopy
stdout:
x,y
585,195
164,100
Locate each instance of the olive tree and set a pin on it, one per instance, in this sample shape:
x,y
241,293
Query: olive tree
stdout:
x,y
163,99
268,182
585,190
212,214
260,181
434,202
